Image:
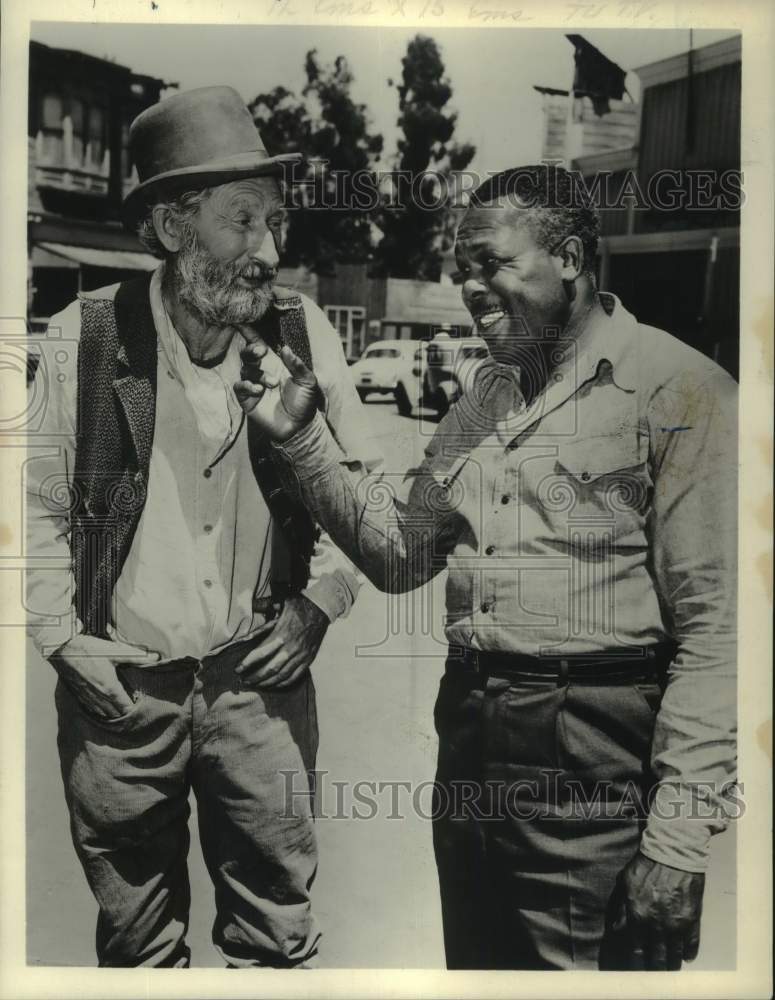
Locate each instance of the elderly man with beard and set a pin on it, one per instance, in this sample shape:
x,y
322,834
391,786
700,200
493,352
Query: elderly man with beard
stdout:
x,y
582,494
180,595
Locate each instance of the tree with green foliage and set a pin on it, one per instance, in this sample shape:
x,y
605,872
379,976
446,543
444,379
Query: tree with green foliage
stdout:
x,y
334,133
415,234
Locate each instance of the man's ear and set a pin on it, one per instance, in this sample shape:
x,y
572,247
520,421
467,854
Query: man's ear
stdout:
x,y
571,253
167,228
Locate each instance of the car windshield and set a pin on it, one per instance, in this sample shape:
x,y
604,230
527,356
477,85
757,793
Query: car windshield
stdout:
x,y
382,352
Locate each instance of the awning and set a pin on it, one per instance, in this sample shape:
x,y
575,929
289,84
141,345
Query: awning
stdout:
x,y
119,260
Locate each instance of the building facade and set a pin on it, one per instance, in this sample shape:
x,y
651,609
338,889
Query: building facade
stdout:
x,y
670,246
80,110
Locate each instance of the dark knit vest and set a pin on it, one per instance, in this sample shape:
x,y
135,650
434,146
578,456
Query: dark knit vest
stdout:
x,y
117,360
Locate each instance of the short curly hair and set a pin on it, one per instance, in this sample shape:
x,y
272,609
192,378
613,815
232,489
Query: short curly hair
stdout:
x,y
184,207
556,202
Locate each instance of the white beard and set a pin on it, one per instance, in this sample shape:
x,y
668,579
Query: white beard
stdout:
x,y
208,287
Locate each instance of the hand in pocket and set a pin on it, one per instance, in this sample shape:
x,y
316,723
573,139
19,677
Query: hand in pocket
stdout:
x,y
88,666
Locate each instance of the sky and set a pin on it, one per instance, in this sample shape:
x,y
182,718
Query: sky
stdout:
x,y
492,71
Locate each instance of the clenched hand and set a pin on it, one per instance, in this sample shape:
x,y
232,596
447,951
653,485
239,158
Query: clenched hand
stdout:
x,y
661,909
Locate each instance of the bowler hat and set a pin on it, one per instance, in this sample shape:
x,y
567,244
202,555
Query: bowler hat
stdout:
x,y
199,138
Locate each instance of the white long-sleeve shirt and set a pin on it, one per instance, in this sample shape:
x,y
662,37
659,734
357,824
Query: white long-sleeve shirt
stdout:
x,y
203,545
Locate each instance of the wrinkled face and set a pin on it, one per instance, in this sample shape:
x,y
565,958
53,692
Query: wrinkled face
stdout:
x,y
230,251
512,287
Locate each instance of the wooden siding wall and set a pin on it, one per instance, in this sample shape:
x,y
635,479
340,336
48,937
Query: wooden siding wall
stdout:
x,y
614,221
665,140
351,286
598,134
614,130
555,127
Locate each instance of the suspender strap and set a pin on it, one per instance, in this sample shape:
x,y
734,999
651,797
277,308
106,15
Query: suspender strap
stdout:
x,y
285,325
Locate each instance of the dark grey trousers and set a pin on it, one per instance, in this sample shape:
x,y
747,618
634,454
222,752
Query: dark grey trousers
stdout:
x,y
539,805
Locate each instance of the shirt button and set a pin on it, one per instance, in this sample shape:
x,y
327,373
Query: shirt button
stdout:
x,y
504,499
585,477
208,528
485,608
207,473
489,550
208,583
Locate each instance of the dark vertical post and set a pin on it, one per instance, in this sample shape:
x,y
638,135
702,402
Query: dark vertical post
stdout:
x,y
115,121
707,295
690,96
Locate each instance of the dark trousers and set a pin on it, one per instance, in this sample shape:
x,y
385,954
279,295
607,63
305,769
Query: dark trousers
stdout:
x,y
127,783
539,805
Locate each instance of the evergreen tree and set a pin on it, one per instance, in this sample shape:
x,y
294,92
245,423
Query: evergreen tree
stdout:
x,y
415,235
334,133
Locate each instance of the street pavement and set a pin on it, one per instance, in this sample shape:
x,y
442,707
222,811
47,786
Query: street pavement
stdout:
x,y
376,894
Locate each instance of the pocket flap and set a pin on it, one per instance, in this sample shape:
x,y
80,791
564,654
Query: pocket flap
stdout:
x,y
590,460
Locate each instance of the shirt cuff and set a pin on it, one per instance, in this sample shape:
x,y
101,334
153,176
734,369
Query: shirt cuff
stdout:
x,y
680,824
331,596
311,450
49,639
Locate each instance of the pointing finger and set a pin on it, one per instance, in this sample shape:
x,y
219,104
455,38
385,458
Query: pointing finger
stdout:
x,y
251,370
248,394
245,390
298,370
252,336
258,377
254,352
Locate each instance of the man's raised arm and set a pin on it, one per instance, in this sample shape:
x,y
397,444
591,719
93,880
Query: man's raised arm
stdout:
x,y
397,533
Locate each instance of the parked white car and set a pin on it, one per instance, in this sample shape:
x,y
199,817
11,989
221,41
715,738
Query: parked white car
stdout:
x,y
409,387
440,369
383,365
451,363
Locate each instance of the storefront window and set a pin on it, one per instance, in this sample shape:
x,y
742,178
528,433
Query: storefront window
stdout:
x,y
77,115
97,135
51,118
350,323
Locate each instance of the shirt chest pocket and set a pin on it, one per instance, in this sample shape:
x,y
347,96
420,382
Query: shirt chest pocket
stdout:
x,y
603,480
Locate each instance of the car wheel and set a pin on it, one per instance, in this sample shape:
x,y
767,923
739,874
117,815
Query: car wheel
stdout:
x,y
403,402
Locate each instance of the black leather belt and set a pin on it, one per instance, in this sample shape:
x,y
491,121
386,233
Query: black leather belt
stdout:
x,y
616,666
